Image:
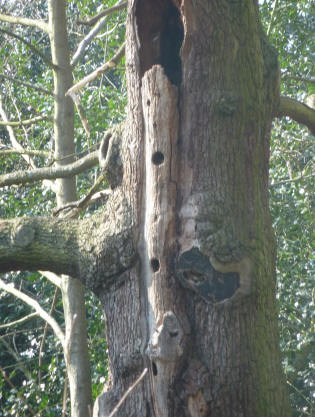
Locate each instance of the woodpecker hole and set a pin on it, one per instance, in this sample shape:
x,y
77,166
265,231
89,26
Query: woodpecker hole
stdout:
x,y
155,264
157,158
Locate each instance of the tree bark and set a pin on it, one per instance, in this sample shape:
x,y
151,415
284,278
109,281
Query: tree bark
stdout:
x,y
76,356
200,311
188,289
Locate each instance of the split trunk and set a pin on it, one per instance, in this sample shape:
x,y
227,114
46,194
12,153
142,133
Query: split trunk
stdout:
x,y
198,308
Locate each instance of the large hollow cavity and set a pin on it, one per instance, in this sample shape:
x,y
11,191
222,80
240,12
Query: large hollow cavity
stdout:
x,y
161,33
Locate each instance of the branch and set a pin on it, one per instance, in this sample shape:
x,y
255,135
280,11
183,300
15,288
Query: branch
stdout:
x,y
297,111
27,122
31,46
39,24
42,343
53,278
26,84
99,71
86,42
106,12
20,396
13,140
286,181
95,250
82,114
46,154
275,4
301,79
17,322
39,310
51,173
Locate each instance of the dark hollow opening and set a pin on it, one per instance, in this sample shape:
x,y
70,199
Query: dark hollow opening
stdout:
x,y
155,265
157,158
161,34
154,369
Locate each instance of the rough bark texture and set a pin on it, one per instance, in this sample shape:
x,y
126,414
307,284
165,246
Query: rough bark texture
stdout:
x,y
201,311
183,258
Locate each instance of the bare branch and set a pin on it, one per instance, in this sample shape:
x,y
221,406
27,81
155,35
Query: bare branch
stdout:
x,y
297,111
301,79
39,24
106,12
31,46
42,343
53,278
300,177
86,41
82,114
77,206
27,122
99,71
13,140
51,173
17,322
5,152
275,4
39,310
26,84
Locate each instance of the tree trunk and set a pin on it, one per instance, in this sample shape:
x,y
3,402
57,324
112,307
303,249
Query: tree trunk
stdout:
x,y
199,307
77,357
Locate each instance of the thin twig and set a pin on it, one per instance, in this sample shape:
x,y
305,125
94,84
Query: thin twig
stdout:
x,y
26,122
106,12
17,322
301,177
26,84
301,79
42,343
129,390
39,310
35,152
21,397
272,17
13,140
31,46
99,71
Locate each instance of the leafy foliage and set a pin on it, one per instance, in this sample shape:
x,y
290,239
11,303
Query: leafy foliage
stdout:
x,y
104,102
292,199
289,24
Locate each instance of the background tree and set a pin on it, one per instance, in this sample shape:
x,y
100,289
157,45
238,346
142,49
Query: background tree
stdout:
x,y
301,404
62,143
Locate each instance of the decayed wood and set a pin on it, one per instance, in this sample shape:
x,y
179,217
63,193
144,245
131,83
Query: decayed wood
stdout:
x,y
159,102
